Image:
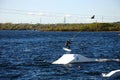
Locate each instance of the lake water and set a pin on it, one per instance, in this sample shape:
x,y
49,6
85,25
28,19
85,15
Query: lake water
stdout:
x,y
27,55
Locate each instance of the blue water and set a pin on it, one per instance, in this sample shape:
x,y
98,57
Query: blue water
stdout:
x,y
27,55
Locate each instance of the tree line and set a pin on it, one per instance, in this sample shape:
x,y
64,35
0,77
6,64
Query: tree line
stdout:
x,y
62,27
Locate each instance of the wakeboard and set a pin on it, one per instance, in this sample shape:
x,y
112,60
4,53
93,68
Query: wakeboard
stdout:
x,y
66,49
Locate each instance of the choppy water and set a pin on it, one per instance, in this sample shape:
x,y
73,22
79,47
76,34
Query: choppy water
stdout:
x,y
27,55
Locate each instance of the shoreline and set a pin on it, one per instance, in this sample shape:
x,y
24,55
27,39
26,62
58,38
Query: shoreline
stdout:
x,y
57,31
91,27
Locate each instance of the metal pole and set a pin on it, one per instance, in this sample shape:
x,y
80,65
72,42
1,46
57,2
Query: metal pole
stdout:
x,y
102,19
64,20
40,20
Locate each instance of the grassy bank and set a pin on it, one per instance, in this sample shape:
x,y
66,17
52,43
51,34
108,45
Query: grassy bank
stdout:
x,y
62,27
